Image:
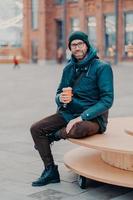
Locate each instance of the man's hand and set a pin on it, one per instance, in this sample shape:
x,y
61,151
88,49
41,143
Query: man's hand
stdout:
x,y
72,122
65,98
66,95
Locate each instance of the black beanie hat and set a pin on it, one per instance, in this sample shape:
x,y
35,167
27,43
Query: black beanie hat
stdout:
x,y
78,35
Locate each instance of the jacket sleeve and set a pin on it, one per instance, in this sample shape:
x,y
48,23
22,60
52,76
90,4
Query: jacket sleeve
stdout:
x,y
106,91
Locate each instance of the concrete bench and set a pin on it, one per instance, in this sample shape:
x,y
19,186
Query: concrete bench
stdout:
x,y
105,157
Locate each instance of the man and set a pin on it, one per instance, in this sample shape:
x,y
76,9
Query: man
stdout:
x,y
82,114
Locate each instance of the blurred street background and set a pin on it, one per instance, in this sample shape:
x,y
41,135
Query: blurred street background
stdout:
x,y
36,31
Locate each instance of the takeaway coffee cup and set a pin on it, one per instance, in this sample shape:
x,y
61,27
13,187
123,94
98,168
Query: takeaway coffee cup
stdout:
x,y
68,92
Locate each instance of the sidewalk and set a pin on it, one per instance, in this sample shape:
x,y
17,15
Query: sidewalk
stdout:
x,y
27,95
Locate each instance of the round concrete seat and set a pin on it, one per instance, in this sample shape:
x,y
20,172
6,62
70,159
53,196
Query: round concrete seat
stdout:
x,y
114,147
114,139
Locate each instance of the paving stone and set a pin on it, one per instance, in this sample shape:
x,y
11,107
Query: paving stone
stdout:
x,y
5,195
128,196
49,194
69,188
106,192
66,174
21,187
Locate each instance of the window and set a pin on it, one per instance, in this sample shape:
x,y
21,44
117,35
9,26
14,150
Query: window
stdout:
x,y
92,30
59,1
34,48
72,1
59,33
110,35
65,1
75,24
34,13
129,34
11,23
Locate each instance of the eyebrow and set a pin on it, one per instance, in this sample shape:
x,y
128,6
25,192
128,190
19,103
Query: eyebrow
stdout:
x,y
77,43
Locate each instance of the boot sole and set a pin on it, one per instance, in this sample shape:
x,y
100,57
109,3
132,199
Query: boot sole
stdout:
x,y
52,181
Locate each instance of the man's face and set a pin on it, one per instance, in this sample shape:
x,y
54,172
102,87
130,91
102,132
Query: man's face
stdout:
x,y
78,49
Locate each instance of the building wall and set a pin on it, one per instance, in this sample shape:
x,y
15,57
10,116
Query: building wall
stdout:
x,y
41,44
99,9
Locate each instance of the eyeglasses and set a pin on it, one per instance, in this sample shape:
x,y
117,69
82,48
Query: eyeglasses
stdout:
x,y
79,45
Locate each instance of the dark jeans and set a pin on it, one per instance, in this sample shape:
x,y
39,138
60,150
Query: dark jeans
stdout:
x,y
54,123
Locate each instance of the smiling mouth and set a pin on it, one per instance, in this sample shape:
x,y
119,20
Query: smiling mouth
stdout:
x,y
77,52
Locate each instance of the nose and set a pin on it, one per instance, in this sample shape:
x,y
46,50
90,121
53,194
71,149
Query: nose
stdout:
x,y
77,47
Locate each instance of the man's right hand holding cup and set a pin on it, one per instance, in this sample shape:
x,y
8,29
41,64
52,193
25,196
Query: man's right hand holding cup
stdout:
x,y
66,96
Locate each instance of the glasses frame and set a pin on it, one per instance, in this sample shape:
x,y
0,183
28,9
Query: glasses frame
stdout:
x,y
80,45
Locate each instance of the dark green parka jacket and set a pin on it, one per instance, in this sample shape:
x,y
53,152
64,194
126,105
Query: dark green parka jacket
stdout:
x,y
92,90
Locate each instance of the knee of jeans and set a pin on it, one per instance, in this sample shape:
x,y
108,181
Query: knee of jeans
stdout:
x,y
74,132
79,131
34,130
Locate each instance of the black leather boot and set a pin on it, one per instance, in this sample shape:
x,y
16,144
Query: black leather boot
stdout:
x,y
49,175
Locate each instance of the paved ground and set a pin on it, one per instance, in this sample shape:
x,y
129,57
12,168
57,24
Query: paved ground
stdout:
x,y
27,95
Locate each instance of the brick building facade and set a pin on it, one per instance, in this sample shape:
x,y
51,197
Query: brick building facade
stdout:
x,y
47,24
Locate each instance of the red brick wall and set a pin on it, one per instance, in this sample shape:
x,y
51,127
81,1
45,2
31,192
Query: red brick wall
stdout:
x,y
49,12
